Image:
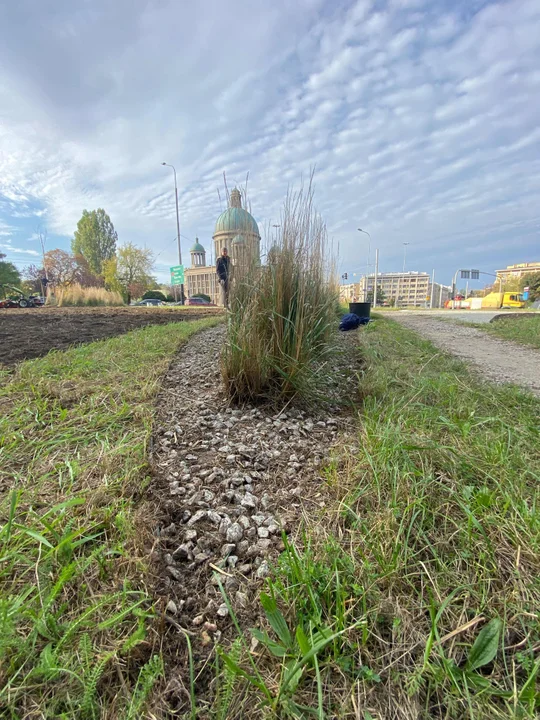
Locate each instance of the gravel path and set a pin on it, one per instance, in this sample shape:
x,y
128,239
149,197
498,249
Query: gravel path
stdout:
x,y
226,482
498,360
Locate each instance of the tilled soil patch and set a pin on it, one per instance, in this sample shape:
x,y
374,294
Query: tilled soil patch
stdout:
x,y
227,483
30,333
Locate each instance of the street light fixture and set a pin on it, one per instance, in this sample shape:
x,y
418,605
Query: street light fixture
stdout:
x,y
177,226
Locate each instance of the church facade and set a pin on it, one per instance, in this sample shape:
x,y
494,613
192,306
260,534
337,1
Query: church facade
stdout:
x,y
235,229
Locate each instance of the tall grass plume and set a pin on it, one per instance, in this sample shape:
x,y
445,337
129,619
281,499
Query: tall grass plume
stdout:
x,y
282,312
77,296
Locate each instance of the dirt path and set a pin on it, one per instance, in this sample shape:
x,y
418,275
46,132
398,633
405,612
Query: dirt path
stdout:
x,y
498,360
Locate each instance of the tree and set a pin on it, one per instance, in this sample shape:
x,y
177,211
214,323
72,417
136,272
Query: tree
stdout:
x,y
85,276
61,268
95,239
129,271
9,275
532,281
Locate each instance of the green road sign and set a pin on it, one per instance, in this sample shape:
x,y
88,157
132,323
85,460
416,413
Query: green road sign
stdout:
x,y
177,275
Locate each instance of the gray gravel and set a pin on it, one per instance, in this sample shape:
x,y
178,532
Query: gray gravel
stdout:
x,y
230,480
500,361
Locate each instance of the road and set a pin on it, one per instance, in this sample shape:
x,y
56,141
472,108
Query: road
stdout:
x,y
498,360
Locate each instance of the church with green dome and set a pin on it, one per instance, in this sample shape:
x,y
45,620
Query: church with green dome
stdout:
x,y
235,229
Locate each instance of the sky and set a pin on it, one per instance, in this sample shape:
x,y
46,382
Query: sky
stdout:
x,y
421,119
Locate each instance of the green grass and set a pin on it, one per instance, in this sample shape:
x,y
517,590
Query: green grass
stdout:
x,y
74,612
415,593
524,330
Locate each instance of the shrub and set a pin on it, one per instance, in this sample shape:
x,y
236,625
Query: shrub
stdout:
x,y
154,295
282,313
77,296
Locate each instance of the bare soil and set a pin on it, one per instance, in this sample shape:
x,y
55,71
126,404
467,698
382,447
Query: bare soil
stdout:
x,y
500,361
32,332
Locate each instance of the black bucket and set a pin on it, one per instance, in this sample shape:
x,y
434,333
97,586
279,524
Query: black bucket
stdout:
x,y
363,310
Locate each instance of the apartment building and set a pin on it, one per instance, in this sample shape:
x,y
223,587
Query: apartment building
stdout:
x,y
517,271
409,289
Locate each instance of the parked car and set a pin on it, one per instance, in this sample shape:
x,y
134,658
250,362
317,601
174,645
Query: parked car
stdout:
x,y
199,301
150,302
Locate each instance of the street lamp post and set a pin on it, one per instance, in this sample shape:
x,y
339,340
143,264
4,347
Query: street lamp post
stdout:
x,y
368,261
405,254
177,227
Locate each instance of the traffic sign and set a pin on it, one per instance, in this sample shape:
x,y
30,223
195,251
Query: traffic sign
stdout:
x,y
177,275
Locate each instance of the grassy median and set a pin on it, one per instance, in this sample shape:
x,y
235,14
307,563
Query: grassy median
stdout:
x,y
524,330
74,428
416,590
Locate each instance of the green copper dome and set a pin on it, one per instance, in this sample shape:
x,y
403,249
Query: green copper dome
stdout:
x,y
235,218
198,248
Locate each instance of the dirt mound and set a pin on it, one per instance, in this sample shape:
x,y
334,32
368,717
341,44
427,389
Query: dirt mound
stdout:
x,y
30,333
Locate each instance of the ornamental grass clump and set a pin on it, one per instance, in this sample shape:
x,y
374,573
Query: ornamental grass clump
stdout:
x,y
283,312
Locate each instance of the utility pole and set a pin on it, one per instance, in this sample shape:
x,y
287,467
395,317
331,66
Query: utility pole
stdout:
x,y
177,227
376,275
432,290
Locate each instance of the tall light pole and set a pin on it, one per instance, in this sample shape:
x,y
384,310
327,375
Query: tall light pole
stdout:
x,y
177,227
405,254
368,260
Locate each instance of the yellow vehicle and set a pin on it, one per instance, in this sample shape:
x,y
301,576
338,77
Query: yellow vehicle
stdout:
x,y
503,300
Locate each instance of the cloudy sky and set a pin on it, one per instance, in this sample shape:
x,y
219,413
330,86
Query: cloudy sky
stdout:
x,y
421,117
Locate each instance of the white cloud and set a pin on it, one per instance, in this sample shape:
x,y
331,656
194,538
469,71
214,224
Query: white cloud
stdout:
x,y
421,122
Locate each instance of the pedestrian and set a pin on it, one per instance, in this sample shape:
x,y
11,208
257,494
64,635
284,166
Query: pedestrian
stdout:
x,y
223,270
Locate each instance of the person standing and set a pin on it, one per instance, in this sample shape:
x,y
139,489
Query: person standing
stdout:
x,y
223,270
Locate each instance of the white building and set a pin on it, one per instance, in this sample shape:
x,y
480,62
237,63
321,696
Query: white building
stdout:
x,y
409,289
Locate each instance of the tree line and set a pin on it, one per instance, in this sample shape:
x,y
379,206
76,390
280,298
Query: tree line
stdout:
x,y
94,261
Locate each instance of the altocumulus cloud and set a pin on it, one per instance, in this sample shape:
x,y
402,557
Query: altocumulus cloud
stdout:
x,y
420,117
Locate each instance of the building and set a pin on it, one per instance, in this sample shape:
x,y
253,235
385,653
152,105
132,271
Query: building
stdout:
x,y
347,293
518,271
409,289
235,229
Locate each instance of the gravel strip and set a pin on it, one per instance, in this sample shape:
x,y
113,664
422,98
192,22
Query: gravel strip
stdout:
x,y
228,481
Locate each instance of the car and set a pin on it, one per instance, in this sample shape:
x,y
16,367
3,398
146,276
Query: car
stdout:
x,y
150,302
199,301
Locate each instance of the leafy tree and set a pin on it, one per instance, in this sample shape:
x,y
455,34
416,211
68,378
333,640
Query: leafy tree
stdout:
x,y
95,239
84,275
129,271
61,268
532,281
110,275
154,295
9,274
203,296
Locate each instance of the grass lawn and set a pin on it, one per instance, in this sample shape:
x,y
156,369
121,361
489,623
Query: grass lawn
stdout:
x,y
74,428
416,591
524,330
